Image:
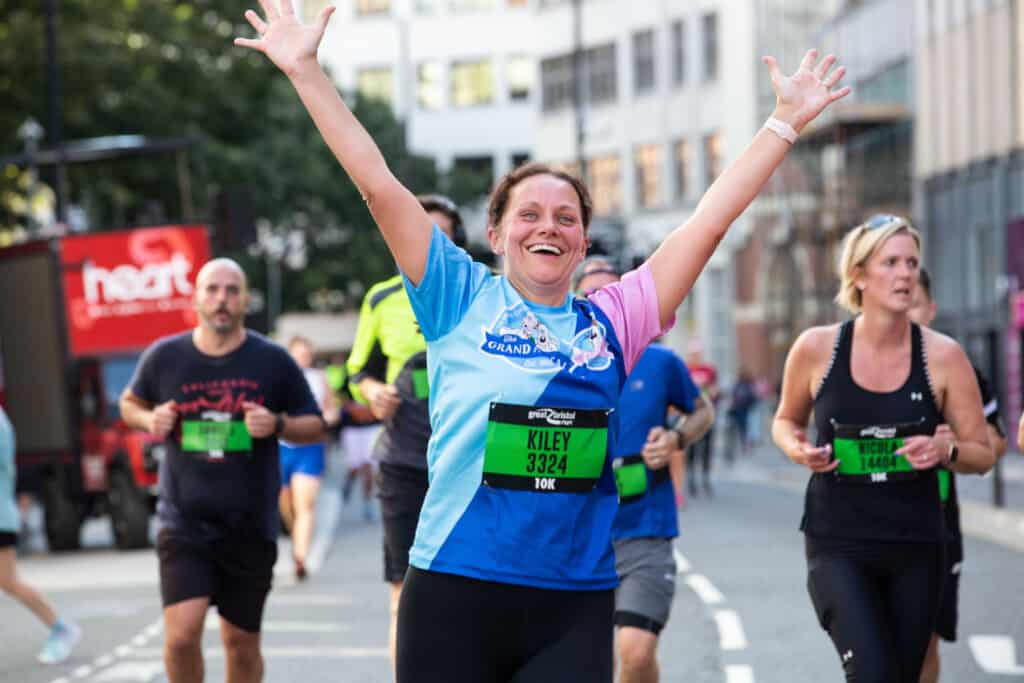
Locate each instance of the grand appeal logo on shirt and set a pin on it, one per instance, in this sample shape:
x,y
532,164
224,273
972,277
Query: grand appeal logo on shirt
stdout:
x,y
521,339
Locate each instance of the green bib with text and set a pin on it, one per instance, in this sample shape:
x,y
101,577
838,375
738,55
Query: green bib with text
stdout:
x,y
210,436
867,453
549,450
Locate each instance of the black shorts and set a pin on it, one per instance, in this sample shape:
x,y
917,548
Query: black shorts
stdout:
x,y
8,539
401,491
453,629
235,574
945,623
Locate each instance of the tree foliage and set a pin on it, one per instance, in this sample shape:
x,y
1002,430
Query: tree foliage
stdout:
x,y
168,69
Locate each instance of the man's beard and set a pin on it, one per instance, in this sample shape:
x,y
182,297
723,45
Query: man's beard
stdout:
x,y
230,325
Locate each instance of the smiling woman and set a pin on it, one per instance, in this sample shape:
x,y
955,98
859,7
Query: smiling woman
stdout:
x,y
518,535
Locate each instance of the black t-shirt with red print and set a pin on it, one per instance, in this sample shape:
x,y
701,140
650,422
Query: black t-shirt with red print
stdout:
x,y
216,479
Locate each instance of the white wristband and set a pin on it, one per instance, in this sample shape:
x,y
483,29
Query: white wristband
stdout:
x,y
782,129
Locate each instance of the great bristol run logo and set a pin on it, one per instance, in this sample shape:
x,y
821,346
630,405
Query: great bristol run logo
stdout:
x,y
519,337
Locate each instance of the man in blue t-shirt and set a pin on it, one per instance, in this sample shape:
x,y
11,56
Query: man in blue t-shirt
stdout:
x,y
646,520
220,396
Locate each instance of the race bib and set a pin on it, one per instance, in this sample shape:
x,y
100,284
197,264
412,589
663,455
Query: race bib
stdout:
x,y
630,478
549,450
214,437
867,453
944,477
421,383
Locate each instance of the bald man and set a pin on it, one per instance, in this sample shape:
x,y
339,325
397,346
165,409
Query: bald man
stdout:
x,y
220,396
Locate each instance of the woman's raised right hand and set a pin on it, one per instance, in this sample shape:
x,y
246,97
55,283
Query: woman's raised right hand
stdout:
x,y
288,43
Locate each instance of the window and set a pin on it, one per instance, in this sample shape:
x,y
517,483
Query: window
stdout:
x,y
470,178
710,22
520,158
647,162
519,72
311,8
470,5
712,158
605,184
375,83
601,74
679,52
643,61
472,83
429,92
370,7
556,83
682,165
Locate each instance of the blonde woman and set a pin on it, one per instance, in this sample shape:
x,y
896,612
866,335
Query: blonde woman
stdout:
x,y
879,386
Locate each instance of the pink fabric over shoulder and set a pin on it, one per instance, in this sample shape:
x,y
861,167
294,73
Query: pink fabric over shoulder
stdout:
x,y
632,306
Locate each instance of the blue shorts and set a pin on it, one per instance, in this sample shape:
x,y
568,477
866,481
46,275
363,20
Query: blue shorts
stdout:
x,y
308,459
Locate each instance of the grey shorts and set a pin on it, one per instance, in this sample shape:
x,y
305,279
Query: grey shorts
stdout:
x,y
647,575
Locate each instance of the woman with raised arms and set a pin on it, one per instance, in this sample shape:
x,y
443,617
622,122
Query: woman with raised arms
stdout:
x,y
512,571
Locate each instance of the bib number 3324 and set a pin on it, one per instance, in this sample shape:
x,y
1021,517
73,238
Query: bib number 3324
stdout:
x,y
544,449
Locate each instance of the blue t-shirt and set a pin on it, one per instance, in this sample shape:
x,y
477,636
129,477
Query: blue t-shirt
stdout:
x,y
660,379
491,353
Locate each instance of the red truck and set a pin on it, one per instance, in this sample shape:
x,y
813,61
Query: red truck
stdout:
x,y
75,313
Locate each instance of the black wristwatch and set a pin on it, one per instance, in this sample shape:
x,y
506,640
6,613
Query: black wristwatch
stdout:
x,y
278,424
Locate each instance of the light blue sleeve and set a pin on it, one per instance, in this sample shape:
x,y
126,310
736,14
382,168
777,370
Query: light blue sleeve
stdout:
x,y
450,283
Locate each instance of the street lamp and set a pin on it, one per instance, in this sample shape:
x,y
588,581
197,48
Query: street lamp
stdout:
x,y
30,133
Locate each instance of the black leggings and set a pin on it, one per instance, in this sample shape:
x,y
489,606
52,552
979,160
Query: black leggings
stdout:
x,y
878,602
453,629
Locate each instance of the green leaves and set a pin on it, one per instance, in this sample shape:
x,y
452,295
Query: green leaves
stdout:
x,y
169,69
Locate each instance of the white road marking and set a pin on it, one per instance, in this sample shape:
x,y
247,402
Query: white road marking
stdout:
x,y
730,630
292,626
82,671
132,671
682,564
739,673
123,650
307,599
704,589
270,652
103,661
996,654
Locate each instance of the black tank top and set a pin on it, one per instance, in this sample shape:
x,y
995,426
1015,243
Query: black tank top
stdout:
x,y
906,510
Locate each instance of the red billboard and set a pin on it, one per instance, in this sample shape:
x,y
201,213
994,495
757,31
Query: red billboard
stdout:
x,y
124,289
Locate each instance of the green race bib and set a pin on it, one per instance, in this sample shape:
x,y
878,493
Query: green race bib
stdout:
x,y
550,450
209,436
867,453
944,477
630,478
421,383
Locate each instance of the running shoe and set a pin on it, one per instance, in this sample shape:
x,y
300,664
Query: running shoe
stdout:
x,y
64,635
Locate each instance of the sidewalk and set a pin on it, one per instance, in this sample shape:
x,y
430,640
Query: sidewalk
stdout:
x,y
979,518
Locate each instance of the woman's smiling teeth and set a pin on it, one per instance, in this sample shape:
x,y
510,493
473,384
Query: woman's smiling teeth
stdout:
x,y
545,249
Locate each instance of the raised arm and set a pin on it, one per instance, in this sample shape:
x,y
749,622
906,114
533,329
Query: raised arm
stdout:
x,y
292,47
677,263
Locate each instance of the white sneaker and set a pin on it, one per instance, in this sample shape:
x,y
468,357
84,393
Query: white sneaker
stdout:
x,y
62,639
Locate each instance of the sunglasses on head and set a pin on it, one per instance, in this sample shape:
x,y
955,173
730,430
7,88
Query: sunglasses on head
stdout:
x,y
881,220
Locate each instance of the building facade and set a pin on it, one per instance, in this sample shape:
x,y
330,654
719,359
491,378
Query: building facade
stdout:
x,y
969,176
460,74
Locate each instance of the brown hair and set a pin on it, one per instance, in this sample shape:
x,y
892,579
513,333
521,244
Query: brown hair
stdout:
x,y
499,198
